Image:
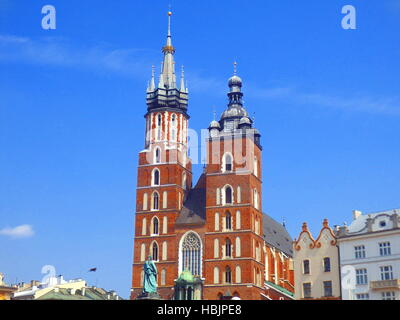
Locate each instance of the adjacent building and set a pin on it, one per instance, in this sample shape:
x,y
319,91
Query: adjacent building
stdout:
x,y
316,265
211,241
56,288
370,256
6,291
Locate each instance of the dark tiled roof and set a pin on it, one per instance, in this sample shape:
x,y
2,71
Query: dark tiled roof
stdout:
x,y
276,235
193,211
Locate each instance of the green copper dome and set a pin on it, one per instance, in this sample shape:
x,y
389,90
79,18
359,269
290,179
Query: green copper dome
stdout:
x,y
186,276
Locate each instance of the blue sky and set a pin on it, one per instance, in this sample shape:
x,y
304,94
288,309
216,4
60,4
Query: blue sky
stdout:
x,y
326,100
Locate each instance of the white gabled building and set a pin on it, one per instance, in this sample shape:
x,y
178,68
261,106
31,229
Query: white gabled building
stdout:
x,y
370,256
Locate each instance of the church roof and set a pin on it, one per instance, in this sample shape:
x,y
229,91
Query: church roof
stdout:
x,y
193,211
276,235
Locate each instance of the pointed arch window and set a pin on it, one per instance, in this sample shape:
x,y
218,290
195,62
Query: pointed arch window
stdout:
x,y
159,124
173,127
191,254
144,226
157,155
238,247
238,275
155,201
155,226
163,277
228,195
143,252
216,248
156,177
228,275
227,163
228,221
228,248
165,251
216,221
154,251
238,220
216,275
145,202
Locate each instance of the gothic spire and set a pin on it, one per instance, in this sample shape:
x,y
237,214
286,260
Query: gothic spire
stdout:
x,y
168,69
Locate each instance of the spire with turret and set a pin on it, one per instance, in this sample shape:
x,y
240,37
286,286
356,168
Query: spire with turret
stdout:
x,y
167,95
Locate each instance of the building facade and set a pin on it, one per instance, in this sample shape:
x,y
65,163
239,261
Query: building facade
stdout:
x,y
209,240
316,265
370,256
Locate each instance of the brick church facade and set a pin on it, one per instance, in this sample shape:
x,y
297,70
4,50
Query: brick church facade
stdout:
x,y
210,239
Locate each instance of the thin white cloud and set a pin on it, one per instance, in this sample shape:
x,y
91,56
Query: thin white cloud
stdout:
x,y
356,102
22,231
60,52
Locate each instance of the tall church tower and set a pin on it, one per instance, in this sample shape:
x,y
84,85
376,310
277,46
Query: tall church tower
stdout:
x,y
234,261
164,173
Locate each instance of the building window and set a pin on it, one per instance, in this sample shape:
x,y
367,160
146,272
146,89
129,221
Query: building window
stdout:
x,y
306,266
255,164
227,166
327,265
238,222
388,296
156,200
228,221
238,275
228,275
361,276
307,290
255,198
359,252
191,254
228,248
328,288
159,122
239,195
163,276
145,202
362,296
165,200
216,221
144,226
157,155
155,226
218,196
386,273
156,177
165,225
384,249
173,129
165,251
228,195
216,275
238,247
216,248
154,251
143,252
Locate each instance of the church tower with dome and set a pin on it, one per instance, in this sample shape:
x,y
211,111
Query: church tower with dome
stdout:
x,y
211,240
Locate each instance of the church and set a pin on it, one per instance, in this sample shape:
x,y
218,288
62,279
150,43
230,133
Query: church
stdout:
x,y
210,239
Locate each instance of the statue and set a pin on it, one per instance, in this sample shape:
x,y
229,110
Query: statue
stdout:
x,y
150,279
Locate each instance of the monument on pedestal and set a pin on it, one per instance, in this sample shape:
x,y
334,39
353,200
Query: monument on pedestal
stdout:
x,y
149,291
